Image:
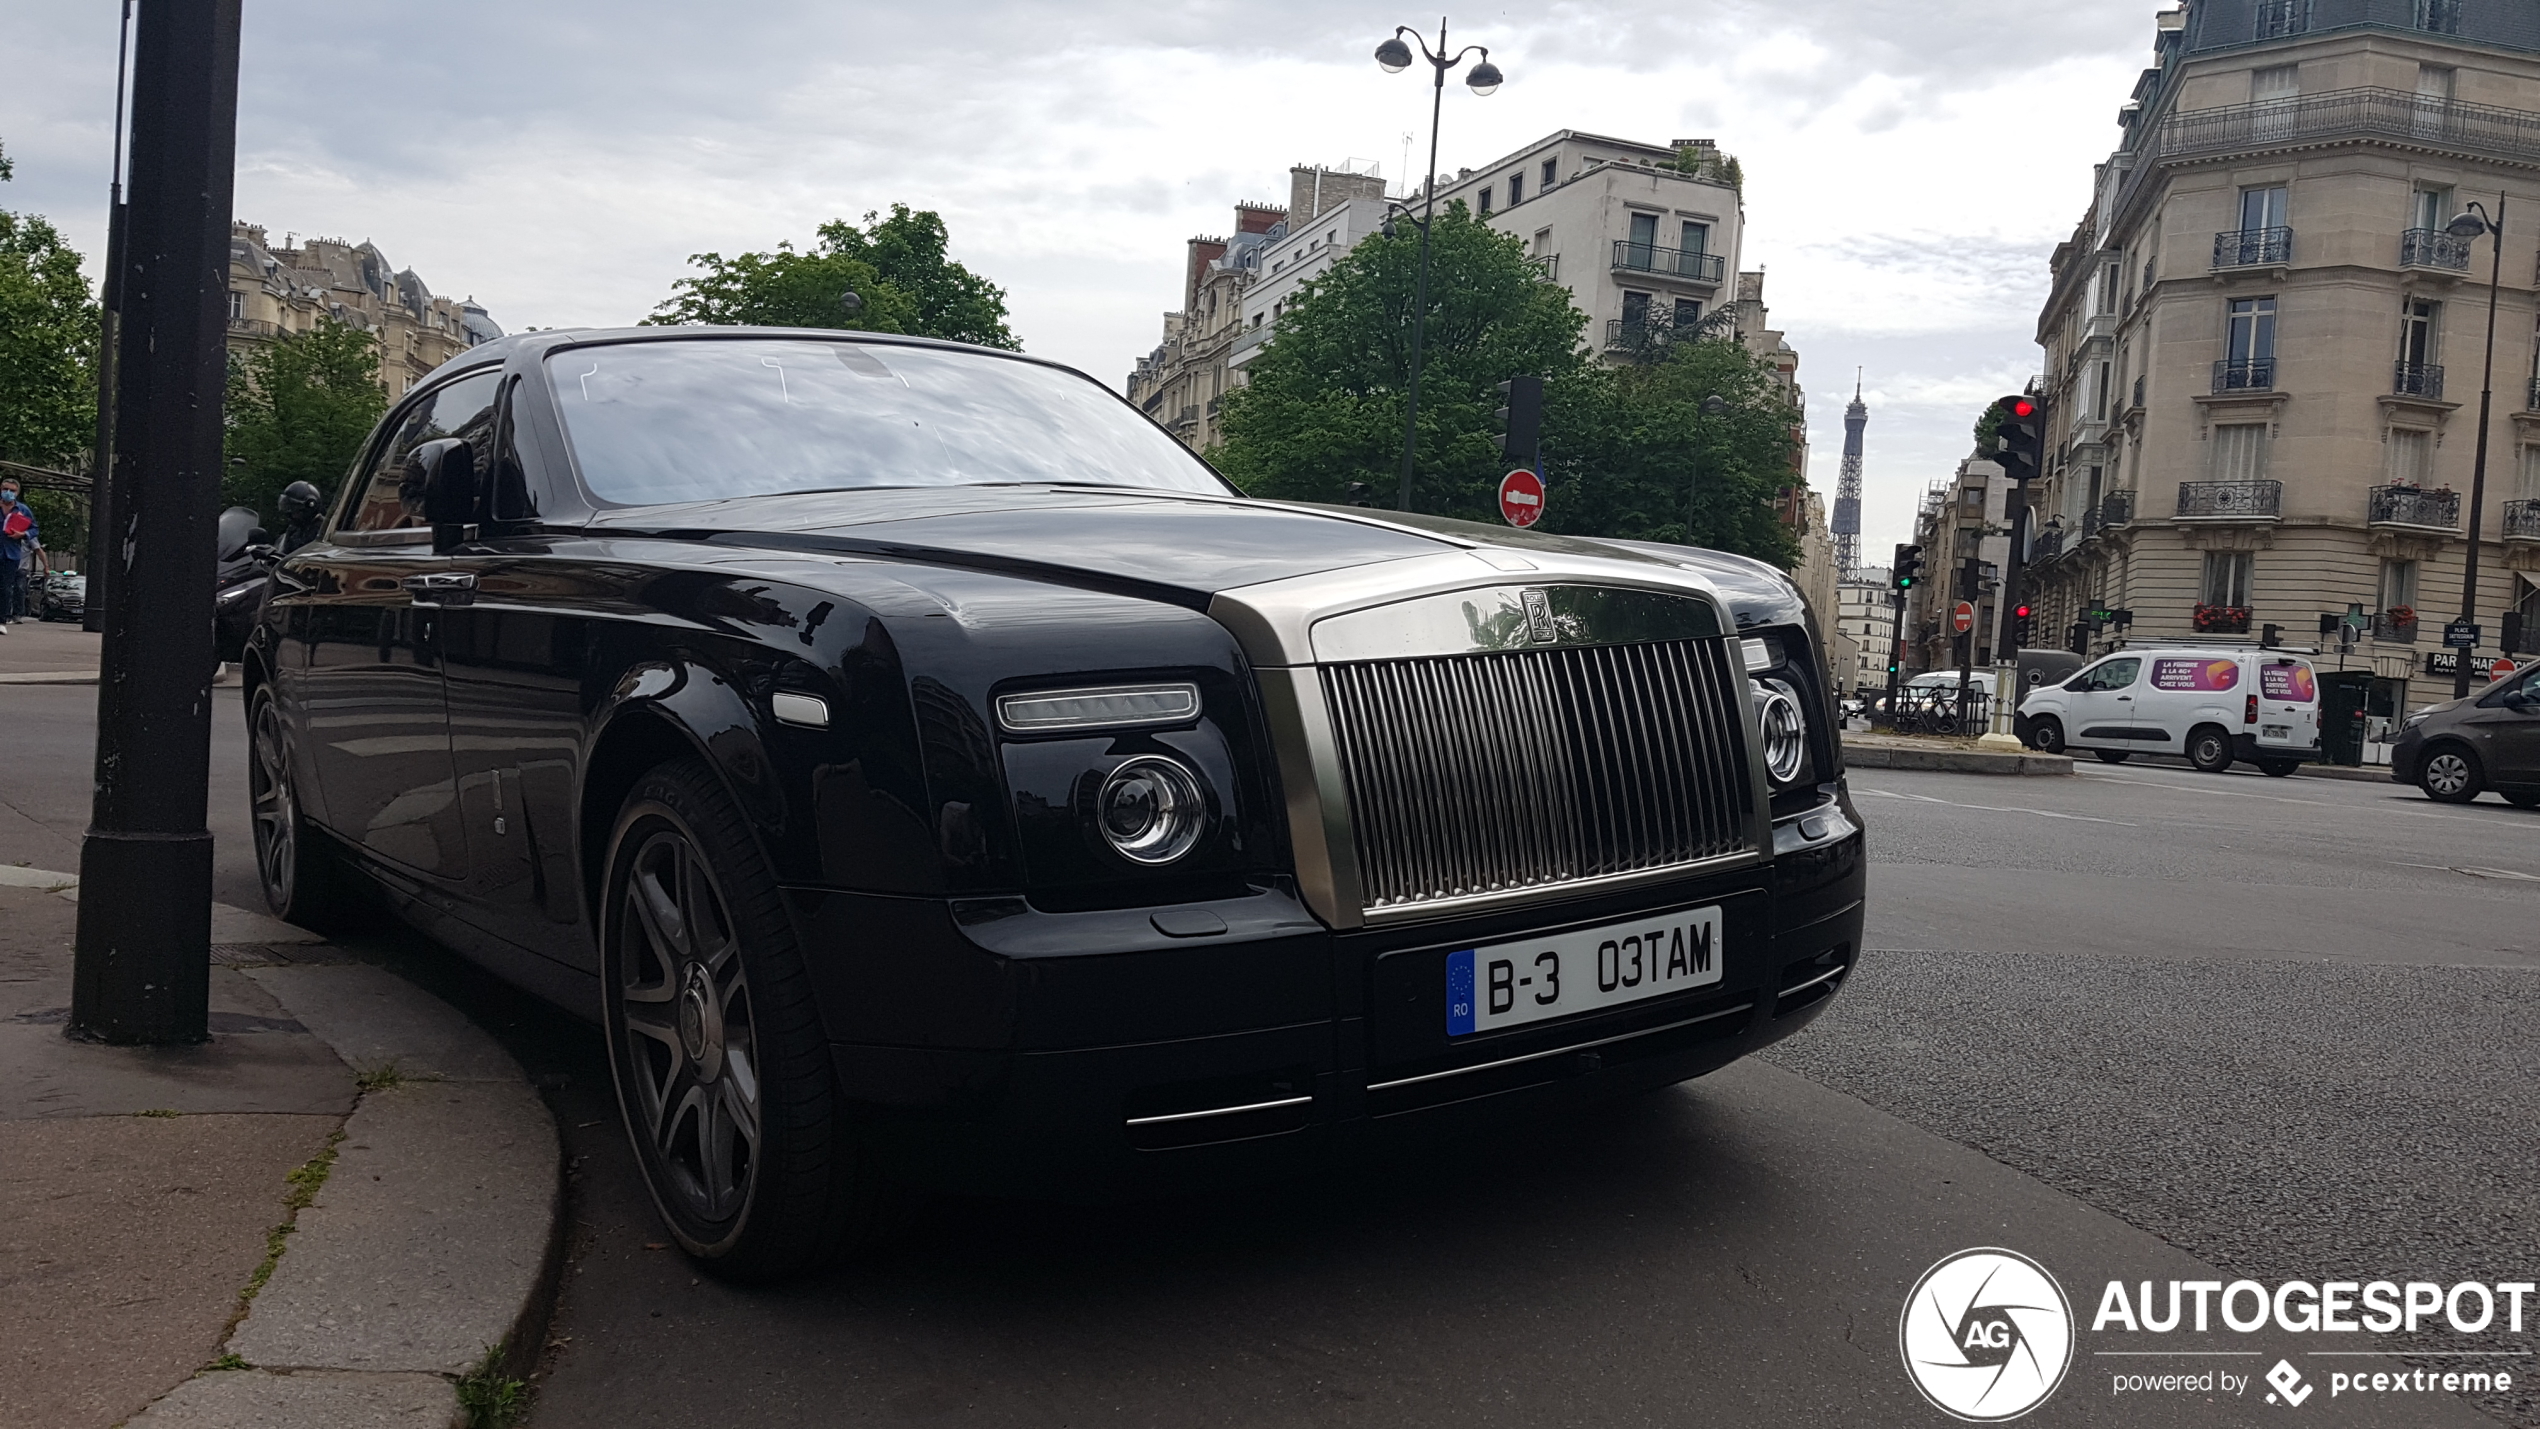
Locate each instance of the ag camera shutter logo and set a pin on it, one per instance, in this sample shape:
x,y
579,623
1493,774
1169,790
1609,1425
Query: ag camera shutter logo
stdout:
x,y
1986,1335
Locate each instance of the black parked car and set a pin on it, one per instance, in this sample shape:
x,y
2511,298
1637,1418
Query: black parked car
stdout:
x,y
63,596
2491,740
927,771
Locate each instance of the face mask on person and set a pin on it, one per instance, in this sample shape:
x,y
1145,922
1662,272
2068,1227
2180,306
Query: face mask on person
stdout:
x,y
8,494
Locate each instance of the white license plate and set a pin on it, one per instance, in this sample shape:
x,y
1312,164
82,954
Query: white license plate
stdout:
x,y
1507,984
2275,731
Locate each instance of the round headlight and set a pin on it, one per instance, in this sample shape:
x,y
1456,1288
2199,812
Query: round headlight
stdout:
x,y
1785,730
1151,809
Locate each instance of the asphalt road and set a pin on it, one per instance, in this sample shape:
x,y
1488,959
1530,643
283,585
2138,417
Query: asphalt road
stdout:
x,y
2139,1024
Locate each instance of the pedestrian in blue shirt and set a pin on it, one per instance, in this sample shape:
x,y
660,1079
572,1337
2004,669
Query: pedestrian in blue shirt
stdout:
x,y
17,542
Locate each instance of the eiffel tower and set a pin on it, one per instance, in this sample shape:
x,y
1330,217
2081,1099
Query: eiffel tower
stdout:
x,y
1847,489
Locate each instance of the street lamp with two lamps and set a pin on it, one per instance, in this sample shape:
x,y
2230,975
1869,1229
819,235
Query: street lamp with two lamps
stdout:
x,y
1484,77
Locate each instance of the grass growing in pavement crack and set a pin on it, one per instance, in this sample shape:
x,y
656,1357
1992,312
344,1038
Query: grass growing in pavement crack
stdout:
x,y
304,1181
490,1398
228,1361
380,1078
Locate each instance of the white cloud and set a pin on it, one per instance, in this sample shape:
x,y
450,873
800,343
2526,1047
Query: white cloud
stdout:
x,y
559,161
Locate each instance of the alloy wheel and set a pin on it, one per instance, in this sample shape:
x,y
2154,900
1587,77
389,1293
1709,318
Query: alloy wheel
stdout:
x,y
689,1049
273,806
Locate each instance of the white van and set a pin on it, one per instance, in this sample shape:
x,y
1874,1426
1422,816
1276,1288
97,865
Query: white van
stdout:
x,y
2213,703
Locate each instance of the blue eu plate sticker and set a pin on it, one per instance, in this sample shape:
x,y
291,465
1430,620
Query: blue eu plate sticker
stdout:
x,y
1459,993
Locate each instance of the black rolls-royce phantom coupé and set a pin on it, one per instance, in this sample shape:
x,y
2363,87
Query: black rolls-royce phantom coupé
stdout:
x,y
927,771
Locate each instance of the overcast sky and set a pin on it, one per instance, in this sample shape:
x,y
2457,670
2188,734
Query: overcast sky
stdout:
x,y
560,159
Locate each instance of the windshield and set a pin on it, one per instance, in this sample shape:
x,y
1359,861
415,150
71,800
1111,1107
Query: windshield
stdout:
x,y
690,420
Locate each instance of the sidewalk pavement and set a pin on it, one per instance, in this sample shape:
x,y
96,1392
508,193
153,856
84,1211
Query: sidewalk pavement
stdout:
x,y
46,652
342,1210
1891,751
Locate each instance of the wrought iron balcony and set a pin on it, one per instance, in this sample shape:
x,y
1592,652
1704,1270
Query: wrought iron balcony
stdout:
x,y
2046,546
2116,508
2522,521
2399,625
2252,374
1548,265
2230,500
1672,262
2413,506
2433,248
2252,247
2399,115
2417,379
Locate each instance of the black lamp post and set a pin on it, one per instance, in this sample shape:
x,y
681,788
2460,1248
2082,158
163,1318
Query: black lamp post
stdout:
x,y
1712,406
2469,225
1484,77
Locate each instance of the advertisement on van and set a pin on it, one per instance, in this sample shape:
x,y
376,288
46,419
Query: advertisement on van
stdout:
x,y
2195,674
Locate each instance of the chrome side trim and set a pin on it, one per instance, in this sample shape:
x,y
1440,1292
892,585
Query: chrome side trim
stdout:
x,y
1217,1111
1812,982
1319,834
1561,1051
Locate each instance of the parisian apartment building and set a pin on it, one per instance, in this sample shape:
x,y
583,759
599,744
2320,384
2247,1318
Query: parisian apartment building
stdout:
x,y
276,289
1865,616
2265,341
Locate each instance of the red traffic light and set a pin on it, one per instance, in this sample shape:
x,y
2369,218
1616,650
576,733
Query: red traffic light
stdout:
x,y
2021,611
2023,407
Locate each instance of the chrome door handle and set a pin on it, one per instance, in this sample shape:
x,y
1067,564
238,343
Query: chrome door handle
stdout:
x,y
441,587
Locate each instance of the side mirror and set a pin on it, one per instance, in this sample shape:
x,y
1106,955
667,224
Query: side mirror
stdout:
x,y
440,486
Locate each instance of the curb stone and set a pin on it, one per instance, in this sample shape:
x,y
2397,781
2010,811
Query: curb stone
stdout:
x,y
1956,761
435,1245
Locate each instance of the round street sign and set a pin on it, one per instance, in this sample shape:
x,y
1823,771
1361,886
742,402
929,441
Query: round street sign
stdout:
x,y
1521,498
2500,669
1963,619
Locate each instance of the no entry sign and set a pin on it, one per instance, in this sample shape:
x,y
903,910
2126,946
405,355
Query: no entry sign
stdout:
x,y
1521,498
1963,619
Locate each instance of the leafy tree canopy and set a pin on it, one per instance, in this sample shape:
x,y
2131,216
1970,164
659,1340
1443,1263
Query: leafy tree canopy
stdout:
x,y
898,267
1323,406
1629,451
48,345
298,409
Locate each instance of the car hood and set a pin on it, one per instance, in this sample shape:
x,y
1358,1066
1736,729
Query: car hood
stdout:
x,y
1178,546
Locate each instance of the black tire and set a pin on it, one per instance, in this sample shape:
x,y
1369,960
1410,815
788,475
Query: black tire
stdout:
x,y
2278,768
304,878
2209,748
2046,735
722,1067
2449,774
2113,756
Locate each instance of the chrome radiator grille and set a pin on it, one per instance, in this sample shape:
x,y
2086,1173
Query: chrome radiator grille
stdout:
x,y
1479,774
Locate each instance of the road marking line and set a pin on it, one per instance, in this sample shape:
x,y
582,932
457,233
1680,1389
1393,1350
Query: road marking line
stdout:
x,y
2265,798
2473,871
1993,808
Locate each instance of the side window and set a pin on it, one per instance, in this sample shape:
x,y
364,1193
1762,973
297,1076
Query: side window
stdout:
x,y
463,409
2116,674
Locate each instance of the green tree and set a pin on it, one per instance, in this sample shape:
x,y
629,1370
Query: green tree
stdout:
x,y
1629,451
897,267
48,345
298,409
1323,404
1654,465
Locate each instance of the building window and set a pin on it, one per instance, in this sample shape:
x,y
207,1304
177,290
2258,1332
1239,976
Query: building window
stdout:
x,y
2398,585
2104,302
237,305
2240,451
2262,208
2227,578
2443,17
1635,311
2529,478
1516,189
2411,455
1551,172
2277,18
1688,314
2248,345
1644,248
2420,328
1695,238
1543,241
1485,198
2430,208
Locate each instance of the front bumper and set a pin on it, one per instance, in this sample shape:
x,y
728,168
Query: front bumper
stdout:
x,y
997,1048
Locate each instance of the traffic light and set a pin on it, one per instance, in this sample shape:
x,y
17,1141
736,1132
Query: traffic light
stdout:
x,y
1519,420
1907,569
2020,616
2269,636
2019,437
2511,636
